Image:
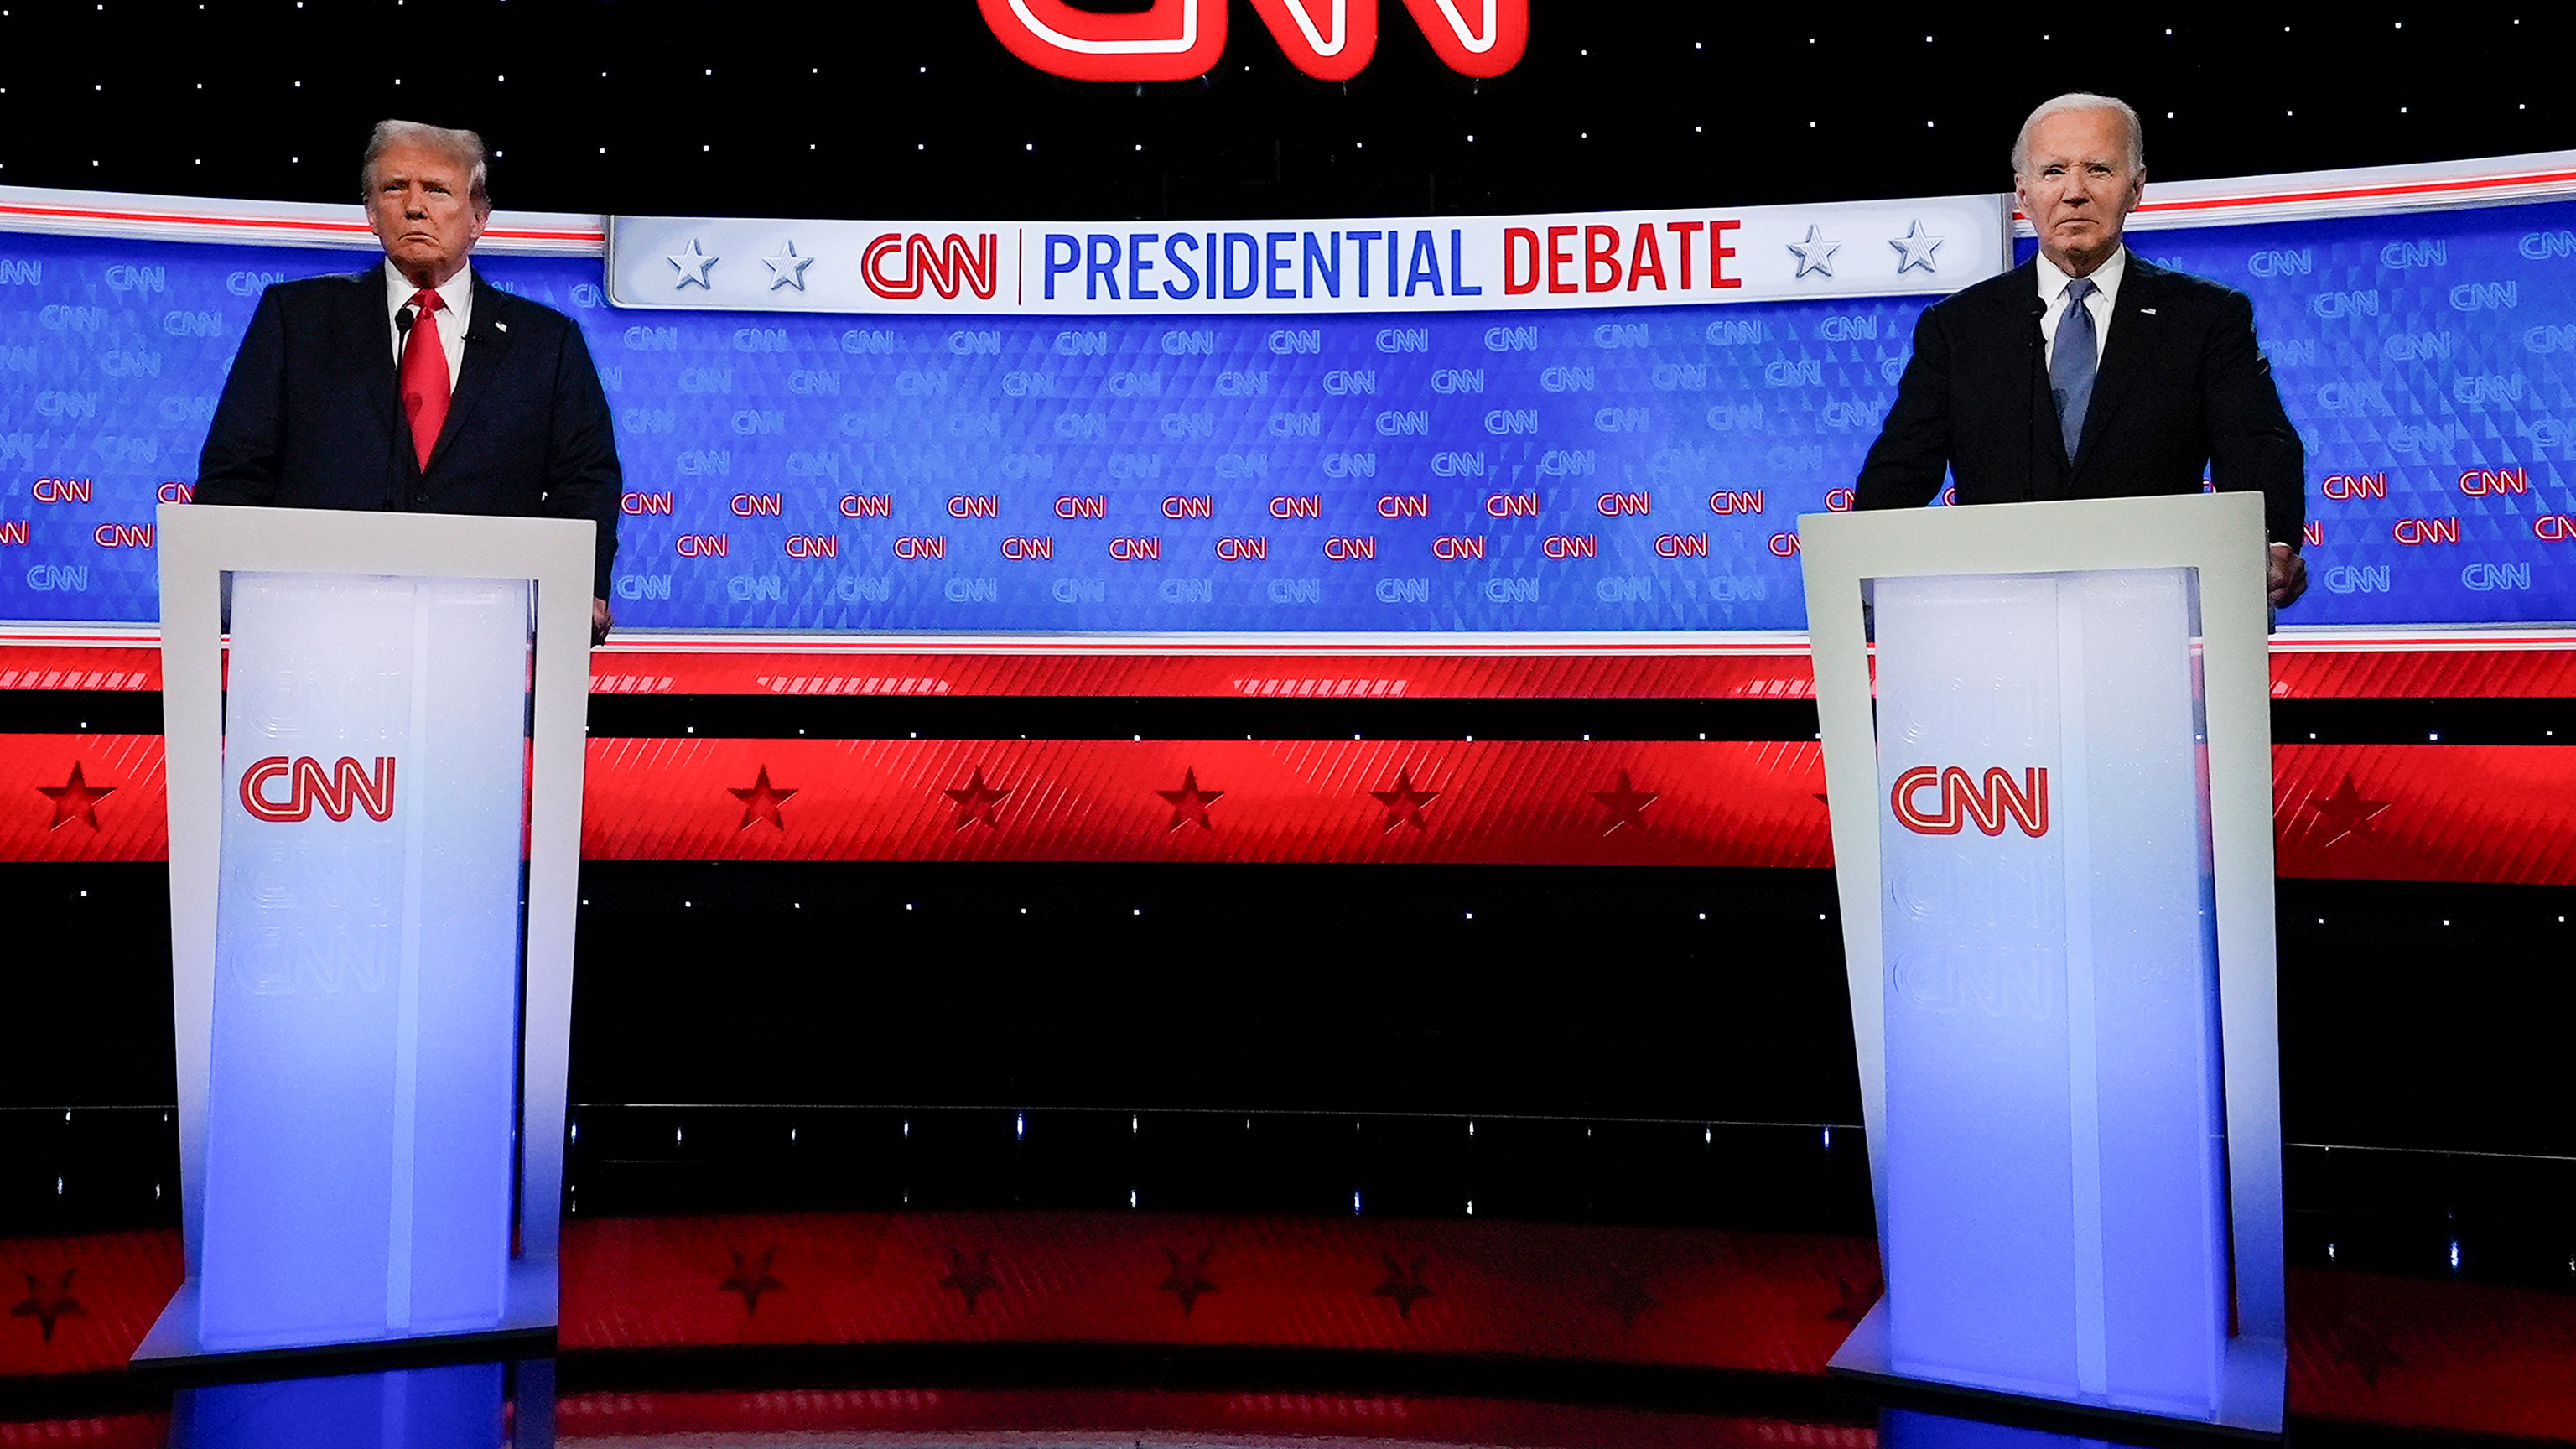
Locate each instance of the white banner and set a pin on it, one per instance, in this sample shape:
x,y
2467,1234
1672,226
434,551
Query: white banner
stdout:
x,y
1933,245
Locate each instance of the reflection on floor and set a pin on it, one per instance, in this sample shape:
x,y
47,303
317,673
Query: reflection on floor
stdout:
x,y
790,1303
519,1405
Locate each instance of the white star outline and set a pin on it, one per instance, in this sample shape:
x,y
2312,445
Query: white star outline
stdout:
x,y
1914,249
1815,254
692,266
786,269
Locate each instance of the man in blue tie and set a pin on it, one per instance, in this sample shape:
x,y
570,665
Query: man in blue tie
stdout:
x,y
2090,372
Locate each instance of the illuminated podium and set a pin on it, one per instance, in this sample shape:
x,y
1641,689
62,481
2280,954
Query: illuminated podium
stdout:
x,y
2048,752
375,800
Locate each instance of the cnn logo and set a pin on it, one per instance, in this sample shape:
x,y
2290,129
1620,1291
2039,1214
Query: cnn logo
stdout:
x,y
1331,40
1960,798
339,792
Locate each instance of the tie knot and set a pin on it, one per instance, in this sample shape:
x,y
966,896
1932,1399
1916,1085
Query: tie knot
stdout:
x,y
2079,289
426,300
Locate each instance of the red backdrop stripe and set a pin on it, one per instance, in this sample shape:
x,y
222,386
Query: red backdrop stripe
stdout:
x,y
2501,814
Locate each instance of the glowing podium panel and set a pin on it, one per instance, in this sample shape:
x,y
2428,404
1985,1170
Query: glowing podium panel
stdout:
x,y
2048,752
371,981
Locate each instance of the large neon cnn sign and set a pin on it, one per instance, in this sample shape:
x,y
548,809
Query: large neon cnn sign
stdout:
x,y
1181,39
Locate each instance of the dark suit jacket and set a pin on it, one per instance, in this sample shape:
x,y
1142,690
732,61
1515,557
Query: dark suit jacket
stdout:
x,y
2182,389
309,417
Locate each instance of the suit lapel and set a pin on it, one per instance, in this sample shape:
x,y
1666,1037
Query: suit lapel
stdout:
x,y
2135,336
486,341
365,331
2017,322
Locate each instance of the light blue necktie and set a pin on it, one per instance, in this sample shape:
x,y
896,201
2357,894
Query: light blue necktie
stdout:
x,y
2070,370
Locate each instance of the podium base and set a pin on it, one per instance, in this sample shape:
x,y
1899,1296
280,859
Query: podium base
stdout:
x,y
528,1317
2254,1383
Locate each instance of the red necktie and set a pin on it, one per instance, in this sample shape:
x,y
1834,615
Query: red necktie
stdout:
x,y
424,377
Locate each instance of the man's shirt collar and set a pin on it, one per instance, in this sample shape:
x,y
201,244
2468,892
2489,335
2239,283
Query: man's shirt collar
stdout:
x,y
2053,279
456,299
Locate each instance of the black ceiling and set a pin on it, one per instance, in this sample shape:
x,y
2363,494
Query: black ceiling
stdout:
x,y
894,108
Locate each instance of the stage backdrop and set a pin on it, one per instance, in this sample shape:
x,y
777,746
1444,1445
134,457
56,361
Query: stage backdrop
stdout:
x,y
1575,425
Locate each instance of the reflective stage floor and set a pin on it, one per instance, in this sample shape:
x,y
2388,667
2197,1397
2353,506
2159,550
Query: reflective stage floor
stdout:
x,y
931,1277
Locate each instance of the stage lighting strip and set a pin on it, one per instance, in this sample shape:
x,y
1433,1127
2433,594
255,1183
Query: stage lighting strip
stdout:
x,y
2503,814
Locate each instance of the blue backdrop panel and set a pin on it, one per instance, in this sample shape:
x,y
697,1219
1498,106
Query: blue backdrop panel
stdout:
x,y
2427,360
1552,470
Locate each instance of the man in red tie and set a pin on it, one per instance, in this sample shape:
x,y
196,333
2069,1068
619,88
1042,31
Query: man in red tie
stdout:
x,y
415,385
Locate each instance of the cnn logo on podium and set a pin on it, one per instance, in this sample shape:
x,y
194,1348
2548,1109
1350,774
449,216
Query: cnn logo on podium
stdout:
x,y
1960,799
339,792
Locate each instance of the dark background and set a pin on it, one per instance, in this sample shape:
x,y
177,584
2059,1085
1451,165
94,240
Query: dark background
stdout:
x,y
911,108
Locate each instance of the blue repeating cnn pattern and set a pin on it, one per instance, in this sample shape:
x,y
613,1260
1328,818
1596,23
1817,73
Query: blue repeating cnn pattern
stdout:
x,y
1560,471
1543,471
2427,361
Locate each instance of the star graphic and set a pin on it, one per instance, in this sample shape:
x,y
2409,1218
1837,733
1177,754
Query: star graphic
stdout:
x,y
1815,254
761,801
1187,1279
1914,249
1190,803
972,1279
77,800
1627,804
2369,1352
751,1278
44,1306
2346,811
976,801
788,269
1855,1302
1403,1284
1404,803
1625,1294
692,266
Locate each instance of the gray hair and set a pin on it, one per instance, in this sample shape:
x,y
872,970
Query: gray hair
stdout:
x,y
463,147
2081,101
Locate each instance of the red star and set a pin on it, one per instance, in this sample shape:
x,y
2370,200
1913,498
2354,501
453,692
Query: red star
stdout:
x,y
1627,804
2346,811
973,1280
45,1305
976,801
1403,1284
751,1277
1404,803
1624,1293
1189,1279
1190,803
75,801
761,801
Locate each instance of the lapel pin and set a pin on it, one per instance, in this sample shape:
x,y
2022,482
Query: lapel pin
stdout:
x,y
2142,311
504,326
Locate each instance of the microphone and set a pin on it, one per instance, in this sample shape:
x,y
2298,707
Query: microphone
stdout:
x,y
402,322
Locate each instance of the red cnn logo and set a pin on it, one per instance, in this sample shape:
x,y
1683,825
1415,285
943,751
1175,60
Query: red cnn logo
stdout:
x,y
946,267
1963,800
1181,39
344,788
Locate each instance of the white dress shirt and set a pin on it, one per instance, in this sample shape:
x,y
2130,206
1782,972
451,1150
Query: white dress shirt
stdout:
x,y
2052,293
455,312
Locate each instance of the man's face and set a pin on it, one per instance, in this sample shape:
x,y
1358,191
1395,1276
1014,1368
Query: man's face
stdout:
x,y
2078,188
420,212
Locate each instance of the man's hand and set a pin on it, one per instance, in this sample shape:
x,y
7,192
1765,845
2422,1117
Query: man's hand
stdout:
x,y
2288,579
600,619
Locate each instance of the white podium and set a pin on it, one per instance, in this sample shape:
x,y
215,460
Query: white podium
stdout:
x,y
375,798
2048,753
